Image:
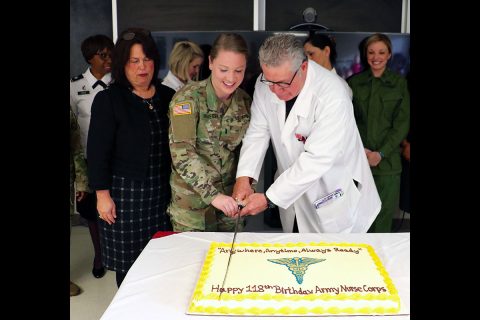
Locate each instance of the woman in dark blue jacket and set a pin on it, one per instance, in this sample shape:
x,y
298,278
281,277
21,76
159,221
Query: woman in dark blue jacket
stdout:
x,y
129,159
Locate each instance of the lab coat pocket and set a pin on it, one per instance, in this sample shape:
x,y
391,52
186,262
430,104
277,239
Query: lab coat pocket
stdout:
x,y
303,128
335,210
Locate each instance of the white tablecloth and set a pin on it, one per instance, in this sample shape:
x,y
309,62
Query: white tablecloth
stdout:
x,y
160,283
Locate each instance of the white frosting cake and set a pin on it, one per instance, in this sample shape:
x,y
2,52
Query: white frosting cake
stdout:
x,y
294,279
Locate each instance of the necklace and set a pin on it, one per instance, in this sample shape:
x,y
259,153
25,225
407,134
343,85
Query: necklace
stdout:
x,y
149,102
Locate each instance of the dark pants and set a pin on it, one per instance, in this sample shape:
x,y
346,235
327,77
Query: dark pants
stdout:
x,y
88,210
388,188
88,207
271,217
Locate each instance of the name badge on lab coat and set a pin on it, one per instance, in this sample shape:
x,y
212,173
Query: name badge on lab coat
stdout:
x,y
328,198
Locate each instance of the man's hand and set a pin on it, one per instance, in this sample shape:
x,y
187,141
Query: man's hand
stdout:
x,y
242,189
255,204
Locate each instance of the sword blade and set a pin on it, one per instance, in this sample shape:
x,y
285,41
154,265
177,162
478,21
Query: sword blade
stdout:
x,y
231,251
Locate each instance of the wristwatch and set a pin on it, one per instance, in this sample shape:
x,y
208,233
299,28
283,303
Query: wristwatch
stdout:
x,y
270,204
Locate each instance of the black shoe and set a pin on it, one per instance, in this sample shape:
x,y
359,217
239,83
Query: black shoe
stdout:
x,y
98,273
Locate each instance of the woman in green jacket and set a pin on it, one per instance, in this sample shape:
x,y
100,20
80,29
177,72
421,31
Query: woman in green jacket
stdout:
x,y
382,110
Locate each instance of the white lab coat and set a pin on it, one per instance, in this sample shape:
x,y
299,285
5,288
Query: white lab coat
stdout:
x,y
172,81
345,84
331,157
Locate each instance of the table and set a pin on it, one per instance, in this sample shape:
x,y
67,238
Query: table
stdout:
x,y
161,281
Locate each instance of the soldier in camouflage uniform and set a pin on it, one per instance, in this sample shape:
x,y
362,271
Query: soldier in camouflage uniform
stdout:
x,y
78,167
208,120
78,176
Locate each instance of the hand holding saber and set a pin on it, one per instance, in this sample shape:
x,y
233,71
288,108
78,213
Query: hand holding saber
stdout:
x,y
227,204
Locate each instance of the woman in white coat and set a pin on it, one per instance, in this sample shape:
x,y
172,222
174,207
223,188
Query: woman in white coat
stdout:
x,y
184,64
323,183
322,49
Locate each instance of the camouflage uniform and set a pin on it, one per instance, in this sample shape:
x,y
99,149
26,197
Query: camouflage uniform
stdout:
x,y
205,135
78,167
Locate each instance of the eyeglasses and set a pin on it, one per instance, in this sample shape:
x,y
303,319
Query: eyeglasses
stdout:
x,y
280,84
136,61
104,55
130,35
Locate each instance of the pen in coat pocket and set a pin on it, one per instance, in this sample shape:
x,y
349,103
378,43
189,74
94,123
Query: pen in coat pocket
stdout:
x,y
331,196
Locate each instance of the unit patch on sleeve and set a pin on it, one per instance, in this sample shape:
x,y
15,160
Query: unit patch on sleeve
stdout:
x,y
182,108
185,127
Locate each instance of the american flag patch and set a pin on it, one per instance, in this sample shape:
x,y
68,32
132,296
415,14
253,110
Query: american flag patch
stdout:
x,y
182,108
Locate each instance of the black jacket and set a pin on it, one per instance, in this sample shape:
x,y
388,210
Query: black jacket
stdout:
x,y
119,134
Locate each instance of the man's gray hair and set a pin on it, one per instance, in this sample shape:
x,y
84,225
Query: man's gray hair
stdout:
x,y
281,48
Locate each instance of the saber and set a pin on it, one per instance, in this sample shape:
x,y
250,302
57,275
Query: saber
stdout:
x,y
240,207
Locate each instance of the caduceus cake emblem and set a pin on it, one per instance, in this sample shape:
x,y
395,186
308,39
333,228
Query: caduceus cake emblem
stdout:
x,y
298,266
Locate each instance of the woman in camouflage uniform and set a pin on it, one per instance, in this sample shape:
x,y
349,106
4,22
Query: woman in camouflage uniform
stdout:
x,y
208,120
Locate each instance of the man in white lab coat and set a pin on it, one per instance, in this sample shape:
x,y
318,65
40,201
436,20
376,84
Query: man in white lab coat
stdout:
x,y
323,183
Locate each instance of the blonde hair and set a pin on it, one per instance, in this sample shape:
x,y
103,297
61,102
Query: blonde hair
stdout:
x,y
182,54
378,37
